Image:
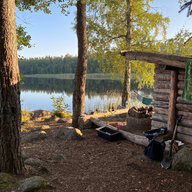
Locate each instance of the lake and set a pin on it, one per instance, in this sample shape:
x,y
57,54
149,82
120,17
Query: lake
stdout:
x,y
36,93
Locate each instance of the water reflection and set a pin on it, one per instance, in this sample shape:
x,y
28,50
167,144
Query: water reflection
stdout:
x,y
36,93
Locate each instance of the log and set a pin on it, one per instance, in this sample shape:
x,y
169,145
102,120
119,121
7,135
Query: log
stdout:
x,y
181,77
174,60
186,123
180,100
160,117
159,70
162,77
184,107
161,104
162,91
138,139
186,115
158,124
172,101
162,84
184,138
158,97
180,85
181,71
180,92
160,110
184,130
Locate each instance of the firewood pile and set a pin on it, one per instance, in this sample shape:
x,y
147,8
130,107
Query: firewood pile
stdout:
x,y
141,112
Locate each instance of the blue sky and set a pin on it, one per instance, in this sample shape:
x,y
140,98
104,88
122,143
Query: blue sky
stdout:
x,y
52,34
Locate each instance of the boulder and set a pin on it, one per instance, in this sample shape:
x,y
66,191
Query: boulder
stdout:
x,y
40,113
33,184
84,122
65,120
70,133
45,127
182,160
34,136
55,119
33,162
5,180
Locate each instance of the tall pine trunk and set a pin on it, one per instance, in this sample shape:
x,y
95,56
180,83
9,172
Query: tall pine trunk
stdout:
x,y
10,109
127,74
80,75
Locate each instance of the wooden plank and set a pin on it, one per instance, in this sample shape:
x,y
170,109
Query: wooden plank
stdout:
x,y
184,138
162,84
160,117
158,124
160,110
180,100
161,104
162,77
172,101
184,107
157,97
184,130
138,139
180,85
162,91
157,57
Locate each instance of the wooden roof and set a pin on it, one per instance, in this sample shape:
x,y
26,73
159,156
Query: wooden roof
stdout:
x,y
169,59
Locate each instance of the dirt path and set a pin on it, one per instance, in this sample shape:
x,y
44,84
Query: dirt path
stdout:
x,y
96,165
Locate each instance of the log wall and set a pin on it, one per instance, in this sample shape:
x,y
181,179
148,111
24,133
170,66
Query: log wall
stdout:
x,y
167,102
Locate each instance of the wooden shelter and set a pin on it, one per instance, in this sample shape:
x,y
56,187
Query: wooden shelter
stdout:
x,y
168,87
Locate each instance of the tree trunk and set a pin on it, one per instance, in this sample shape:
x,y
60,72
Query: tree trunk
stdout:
x,y
80,75
127,74
10,109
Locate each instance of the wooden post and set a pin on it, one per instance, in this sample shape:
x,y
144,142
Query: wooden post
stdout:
x,y
172,101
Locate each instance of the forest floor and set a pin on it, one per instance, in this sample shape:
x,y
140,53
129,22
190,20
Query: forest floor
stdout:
x,y
97,165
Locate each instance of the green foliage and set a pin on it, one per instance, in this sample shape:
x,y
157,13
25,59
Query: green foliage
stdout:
x,y
60,105
107,29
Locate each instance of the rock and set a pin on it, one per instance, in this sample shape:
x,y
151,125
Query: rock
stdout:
x,y
33,184
5,180
33,162
182,160
61,121
55,119
120,107
30,129
84,122
34,136
60,156
27,122
45,127
40,113
70,133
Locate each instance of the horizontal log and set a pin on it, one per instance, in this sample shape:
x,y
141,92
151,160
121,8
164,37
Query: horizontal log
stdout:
x,y
158,124
161,104
162,77
186,123
180,85
158,70
179,92
158,97
160,117
186,115
162,84
181,71
184,107
160,110
162,91
184,138
184,130
174,60
181,77
180,100
138,139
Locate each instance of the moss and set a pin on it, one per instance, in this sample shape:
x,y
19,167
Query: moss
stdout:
x,y
5,180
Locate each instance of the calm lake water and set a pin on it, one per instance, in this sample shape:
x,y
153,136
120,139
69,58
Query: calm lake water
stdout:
x,y
36,93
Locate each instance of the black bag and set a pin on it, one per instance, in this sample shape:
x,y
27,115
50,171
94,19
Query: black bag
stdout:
x,y
155,149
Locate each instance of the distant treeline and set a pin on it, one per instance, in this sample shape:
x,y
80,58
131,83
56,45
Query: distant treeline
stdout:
x,y
55,65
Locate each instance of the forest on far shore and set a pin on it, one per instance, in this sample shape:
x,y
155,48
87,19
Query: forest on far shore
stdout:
x,y
55,65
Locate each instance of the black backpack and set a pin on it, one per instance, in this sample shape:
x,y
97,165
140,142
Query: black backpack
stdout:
x,y
155,150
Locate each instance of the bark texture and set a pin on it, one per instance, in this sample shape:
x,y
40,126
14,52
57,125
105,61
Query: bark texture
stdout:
x,y
80,75
127,74
10,110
